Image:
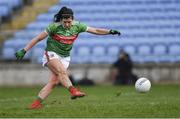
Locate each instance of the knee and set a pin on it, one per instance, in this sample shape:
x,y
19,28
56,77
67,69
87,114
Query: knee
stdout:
x,y
61,73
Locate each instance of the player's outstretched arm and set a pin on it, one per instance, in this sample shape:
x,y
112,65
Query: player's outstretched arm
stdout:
x,y
20,54
100,31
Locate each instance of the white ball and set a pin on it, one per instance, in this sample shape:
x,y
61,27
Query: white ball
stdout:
x,y
143,85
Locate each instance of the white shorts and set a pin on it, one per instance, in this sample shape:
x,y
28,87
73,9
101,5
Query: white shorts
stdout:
x,y
49,55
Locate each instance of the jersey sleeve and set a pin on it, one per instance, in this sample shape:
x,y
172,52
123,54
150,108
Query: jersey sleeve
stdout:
x,y
51,29
82,27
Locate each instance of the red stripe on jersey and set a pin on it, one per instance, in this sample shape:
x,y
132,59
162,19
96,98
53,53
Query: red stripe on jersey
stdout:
x,y
47,56
65,39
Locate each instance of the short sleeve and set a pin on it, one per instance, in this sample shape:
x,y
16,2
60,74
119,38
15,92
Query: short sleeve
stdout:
x,y
82,27
51,29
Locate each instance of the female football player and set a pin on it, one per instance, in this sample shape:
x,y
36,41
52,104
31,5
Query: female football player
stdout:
x,y
61,35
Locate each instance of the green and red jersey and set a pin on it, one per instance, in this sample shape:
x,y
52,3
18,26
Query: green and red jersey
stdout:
x,y
60,40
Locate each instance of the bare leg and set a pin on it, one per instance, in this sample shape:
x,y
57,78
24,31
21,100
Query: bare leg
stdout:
x,y
61,74
58,74
57,68
46,90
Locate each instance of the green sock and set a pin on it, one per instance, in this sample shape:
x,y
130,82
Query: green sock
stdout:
x,y
38,98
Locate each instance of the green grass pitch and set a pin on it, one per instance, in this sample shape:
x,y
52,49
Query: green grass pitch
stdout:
x,y
101,101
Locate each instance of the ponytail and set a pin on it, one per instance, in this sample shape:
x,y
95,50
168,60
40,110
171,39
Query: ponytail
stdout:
x,y
57,18
64,12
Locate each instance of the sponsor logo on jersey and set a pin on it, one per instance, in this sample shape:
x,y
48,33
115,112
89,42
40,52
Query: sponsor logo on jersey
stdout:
x,y
65,39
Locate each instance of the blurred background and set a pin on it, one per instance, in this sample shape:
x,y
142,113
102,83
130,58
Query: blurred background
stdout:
x,y
150,35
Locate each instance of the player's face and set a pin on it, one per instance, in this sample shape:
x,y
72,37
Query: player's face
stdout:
x,y
67,23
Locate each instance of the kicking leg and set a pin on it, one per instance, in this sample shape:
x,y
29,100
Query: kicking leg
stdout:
x,y
57,68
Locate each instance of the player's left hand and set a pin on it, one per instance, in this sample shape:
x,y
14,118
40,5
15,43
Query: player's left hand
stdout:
x,y
114,32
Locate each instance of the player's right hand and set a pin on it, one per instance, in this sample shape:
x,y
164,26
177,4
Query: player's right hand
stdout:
x,y
20,54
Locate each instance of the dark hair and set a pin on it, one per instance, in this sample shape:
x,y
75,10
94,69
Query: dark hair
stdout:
x,y
64,12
